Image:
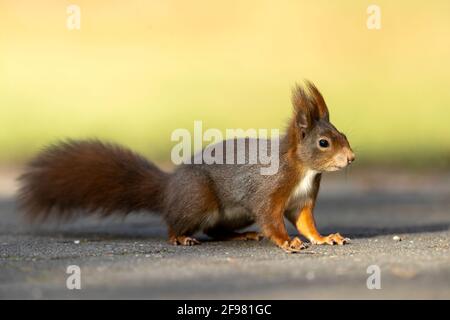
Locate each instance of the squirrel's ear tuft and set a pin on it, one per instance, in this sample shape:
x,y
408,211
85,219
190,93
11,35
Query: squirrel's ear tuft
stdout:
x,y
303,108
318,101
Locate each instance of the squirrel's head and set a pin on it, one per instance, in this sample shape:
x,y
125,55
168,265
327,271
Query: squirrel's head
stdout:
x,y
318,144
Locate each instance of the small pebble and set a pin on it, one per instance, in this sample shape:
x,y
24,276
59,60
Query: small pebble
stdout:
x,y
396,238
77,242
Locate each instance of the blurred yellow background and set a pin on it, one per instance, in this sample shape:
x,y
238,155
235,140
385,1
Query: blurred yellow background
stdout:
x,y
137,70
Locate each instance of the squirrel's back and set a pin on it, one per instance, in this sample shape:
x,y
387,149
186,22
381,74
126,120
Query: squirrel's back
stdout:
x,y
92,177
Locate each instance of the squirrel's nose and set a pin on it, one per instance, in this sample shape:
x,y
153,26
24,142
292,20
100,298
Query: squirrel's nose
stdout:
x,y
350,157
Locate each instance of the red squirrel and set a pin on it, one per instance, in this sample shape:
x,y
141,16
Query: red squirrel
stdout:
x,y
218,199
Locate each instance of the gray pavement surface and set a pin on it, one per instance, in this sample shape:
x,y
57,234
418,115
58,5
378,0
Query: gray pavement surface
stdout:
x,y
130,258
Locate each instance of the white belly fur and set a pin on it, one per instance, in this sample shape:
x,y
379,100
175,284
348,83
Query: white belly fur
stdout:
x,y
303,188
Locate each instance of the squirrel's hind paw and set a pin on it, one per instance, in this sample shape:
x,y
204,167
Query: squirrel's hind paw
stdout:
x,y
183,240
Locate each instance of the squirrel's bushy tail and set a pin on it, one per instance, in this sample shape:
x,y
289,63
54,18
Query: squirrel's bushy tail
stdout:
x,y
90,177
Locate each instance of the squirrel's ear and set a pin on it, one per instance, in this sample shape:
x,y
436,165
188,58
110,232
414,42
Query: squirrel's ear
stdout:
x,y
303,108
318,101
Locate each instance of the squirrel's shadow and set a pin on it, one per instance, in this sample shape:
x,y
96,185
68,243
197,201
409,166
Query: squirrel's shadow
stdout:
x,y
395,213
364,232
158,232
346,213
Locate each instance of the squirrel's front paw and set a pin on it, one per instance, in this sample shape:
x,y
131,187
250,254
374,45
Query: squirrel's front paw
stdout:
x,y
293,245
332,239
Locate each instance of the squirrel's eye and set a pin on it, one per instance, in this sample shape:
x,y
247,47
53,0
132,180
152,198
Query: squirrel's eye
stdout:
x,y
324,143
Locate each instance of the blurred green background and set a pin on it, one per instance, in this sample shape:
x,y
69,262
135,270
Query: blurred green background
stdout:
x,y
137,70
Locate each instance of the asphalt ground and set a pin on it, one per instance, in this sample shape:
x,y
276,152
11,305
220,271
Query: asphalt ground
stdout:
x,y
131,259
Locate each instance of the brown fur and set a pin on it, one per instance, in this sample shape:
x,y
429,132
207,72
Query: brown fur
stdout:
x,y
218,199
92,177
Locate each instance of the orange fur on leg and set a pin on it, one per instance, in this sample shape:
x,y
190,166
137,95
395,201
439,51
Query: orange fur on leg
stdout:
x,y
306,225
